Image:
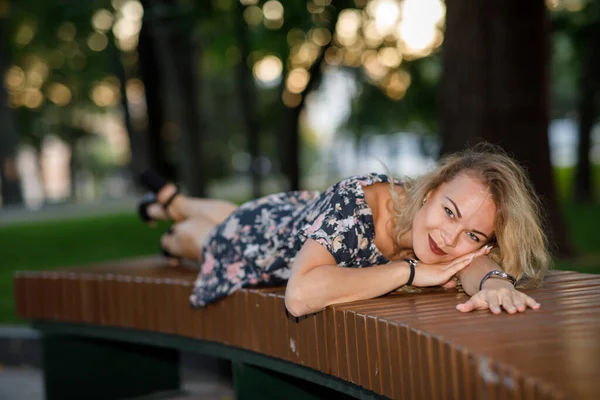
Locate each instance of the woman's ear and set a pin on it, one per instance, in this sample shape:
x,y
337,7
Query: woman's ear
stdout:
x,y
426,197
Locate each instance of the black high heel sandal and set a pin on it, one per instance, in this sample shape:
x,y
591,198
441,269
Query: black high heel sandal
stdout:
x,y
154,183
167,253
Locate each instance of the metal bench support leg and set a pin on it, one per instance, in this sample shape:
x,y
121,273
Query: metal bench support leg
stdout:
x,y
253,382
83,368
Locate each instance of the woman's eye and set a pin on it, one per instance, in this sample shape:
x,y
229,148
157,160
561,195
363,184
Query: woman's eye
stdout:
x,y
449,212
473,236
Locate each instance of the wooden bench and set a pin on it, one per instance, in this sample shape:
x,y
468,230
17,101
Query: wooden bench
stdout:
x,y
116,330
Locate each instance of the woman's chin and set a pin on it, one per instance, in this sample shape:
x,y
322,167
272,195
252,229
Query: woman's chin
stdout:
x,y
426,257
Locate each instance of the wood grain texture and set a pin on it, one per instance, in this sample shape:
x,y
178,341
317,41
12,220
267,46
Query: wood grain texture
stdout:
x,y
404,345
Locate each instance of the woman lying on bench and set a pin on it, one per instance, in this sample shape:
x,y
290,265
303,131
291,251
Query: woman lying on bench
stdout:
x,y
474,218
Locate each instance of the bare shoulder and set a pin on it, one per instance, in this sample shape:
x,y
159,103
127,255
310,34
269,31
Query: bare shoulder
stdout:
x,y
378,193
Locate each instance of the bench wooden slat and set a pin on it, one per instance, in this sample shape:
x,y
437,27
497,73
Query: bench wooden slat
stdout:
x,y
401,345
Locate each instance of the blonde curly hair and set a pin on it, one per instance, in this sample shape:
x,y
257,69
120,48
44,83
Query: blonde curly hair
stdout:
x,y
521,246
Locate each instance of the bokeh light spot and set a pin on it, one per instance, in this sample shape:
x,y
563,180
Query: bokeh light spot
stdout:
x,y
273,10
14,77
390,57
135,91
291,100
253,15
59,94
102,20
97,41
105,94
268,70
320,36
66,31
32,98
132,10
25,34
297,80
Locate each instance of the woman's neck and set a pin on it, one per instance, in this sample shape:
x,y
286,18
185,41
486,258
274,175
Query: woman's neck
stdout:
x,y
380,201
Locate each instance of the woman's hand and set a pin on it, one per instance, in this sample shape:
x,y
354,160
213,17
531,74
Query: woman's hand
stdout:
x,y
497,294
441,274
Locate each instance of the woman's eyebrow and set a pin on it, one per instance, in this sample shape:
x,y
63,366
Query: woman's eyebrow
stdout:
x,y
455,206
480,233
460,216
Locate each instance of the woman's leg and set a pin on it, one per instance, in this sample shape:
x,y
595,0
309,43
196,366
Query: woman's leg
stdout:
x,y
183,207
186,238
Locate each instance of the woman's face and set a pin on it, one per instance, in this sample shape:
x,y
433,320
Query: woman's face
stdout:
x,y
457,218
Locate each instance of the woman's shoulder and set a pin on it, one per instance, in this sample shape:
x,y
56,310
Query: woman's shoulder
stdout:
x,y
351,191
367,180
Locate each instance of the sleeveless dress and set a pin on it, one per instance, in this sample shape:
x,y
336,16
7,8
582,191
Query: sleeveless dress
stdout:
x,y
258,242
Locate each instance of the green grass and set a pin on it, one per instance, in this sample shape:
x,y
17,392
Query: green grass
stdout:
x,y
582,223
54,244
564,177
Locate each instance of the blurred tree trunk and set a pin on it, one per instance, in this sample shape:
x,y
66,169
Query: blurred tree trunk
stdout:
x,y
588,107
291,129
74,162
188,52
176,52
291,160
10,181
495,88
151,76
248,99
139,160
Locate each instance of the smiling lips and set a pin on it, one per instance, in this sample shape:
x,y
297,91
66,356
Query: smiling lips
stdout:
x,y
434,247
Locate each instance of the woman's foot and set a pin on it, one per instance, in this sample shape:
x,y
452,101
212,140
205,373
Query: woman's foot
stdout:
x,y
169,203
185,239
163,202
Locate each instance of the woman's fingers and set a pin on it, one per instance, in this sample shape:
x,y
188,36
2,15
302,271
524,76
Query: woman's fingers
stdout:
x,y
532,303
515,301
508,303
512,301
456,266
467,306
465,260
494,303
450,284
519,304
484,251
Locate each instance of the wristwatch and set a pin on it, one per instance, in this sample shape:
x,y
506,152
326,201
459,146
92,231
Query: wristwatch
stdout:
x,y
498,274
412,263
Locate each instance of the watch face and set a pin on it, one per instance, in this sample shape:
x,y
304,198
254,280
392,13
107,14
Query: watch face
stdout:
x,y
412,262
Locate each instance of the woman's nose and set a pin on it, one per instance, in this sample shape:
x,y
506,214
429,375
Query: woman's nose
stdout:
x,y
450,236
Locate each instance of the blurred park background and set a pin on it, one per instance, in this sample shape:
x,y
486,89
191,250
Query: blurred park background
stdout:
x,y
235,99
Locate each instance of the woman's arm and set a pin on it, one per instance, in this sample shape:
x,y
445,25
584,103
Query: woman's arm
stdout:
x,y
471,276
316,281
495,293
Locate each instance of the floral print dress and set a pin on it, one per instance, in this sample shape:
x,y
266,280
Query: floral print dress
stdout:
x,y
258,242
